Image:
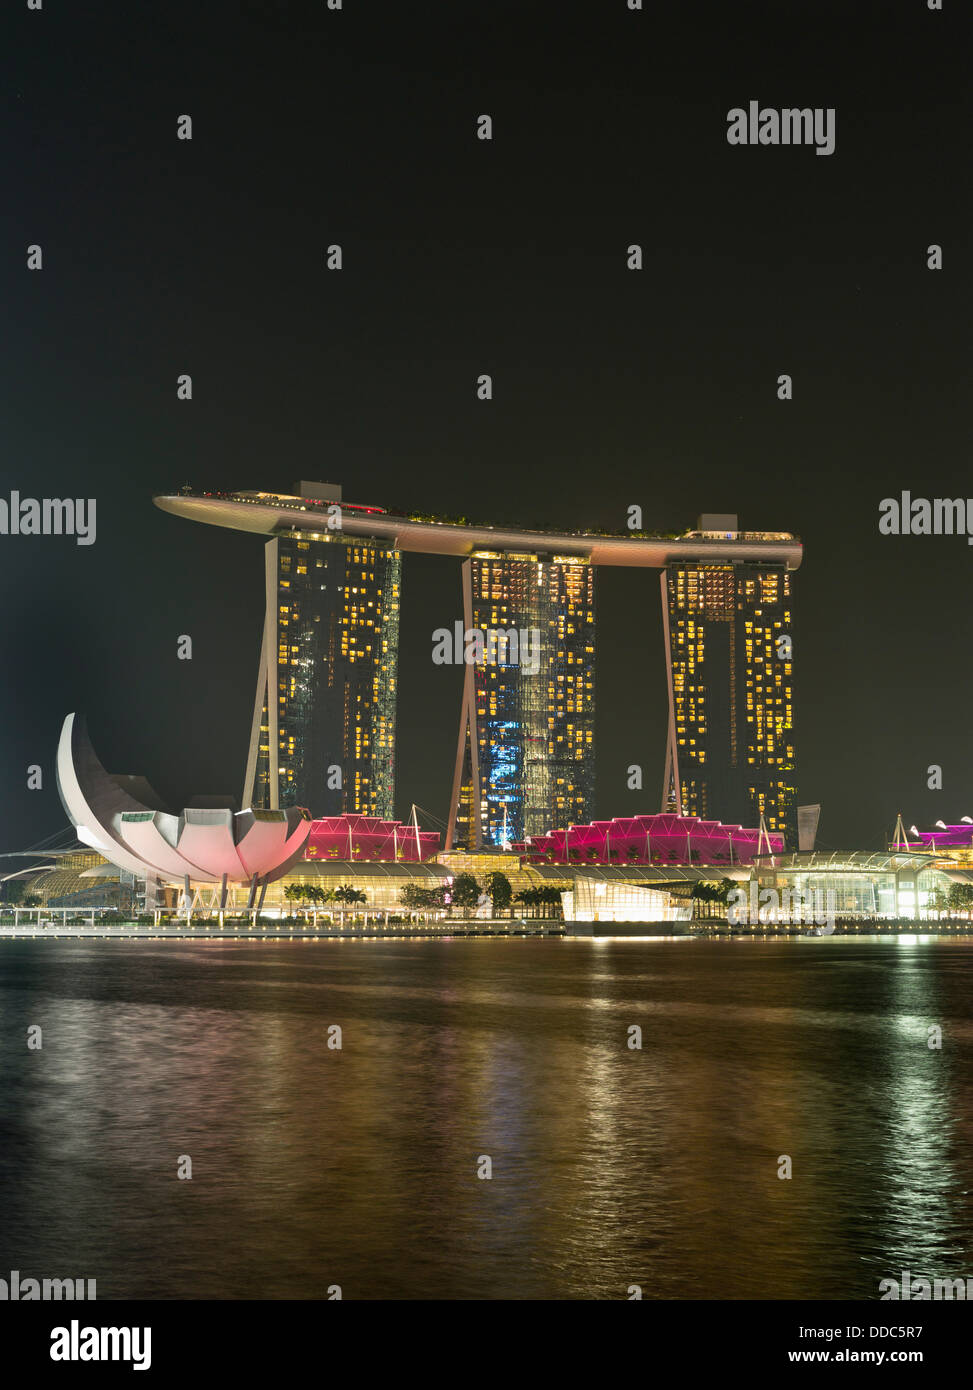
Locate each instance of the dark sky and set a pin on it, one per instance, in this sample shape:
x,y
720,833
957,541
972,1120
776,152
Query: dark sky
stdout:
x,y
611,387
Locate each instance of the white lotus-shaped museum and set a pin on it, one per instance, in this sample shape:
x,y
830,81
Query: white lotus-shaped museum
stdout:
x,y
201,845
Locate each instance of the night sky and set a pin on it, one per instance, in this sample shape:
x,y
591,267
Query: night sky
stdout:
x,y
611,387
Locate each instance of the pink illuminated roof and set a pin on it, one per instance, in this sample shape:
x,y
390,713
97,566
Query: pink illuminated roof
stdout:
x,y
661,839
369,837
947,836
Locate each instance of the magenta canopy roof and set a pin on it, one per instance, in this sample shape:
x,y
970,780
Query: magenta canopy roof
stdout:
x,y
951,837
368,837
668,839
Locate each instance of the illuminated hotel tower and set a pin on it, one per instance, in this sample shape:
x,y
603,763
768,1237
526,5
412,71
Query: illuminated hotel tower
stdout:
x,y
325,739
730,747
525,757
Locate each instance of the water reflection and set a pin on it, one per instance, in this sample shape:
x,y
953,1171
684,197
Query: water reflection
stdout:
x,y
611,1166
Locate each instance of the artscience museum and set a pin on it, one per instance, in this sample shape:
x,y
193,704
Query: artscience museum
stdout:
x,y
122,819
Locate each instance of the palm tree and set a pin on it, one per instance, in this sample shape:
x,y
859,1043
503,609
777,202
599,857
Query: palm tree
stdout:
x,y
498,886
552,897
314,893
528,896
345,893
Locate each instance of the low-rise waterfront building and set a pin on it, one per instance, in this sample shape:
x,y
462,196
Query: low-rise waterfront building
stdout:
x,y
597,900
895,885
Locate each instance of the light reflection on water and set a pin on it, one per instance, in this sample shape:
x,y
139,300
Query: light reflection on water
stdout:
x,y
611,1167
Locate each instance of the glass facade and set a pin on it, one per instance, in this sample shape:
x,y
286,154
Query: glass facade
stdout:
x,y
530,711
863,884
731,683
331,648
593,900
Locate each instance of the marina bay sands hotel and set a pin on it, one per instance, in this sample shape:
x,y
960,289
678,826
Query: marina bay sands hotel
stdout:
x,y
323,732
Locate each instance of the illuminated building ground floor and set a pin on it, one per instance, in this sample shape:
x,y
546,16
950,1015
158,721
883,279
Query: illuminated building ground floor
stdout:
x,y
595,900
890,885
382,883
863,886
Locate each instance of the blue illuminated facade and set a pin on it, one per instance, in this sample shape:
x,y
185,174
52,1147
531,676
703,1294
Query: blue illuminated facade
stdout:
x,y
525,760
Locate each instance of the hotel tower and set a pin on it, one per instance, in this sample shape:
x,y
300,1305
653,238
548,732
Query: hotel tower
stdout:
x,y
729,654
526,750
323,732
